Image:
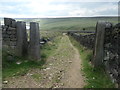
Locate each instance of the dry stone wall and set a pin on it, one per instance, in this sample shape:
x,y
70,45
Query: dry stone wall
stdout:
x,y
9,32
14,36
112,52
85,40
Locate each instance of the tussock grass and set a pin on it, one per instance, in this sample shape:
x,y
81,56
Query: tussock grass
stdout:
x,y
95,77
50,47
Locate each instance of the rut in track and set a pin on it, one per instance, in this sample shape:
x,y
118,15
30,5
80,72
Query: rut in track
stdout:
x,y
62,69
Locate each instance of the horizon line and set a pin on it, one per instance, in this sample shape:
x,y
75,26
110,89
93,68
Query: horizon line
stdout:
x,y
64,16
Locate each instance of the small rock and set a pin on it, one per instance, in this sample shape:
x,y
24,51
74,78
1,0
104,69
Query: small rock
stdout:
x,y
62,62
5,82
70,61
47,68
28,74
52,57
50,78
31,74
44,77
50,74
44,69
62,84
19,62
93,77
59,78
50,64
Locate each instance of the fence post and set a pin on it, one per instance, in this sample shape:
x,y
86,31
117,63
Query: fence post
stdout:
x,y
22,43
34,49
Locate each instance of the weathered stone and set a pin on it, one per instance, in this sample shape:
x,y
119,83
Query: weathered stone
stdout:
x,y
12,36
8,22
14,24
13,39
5,82
11,29
11,32
21,47
7,39
12,43
99,43
34,50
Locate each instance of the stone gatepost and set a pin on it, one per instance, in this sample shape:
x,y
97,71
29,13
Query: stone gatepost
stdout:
x,y
34,48
22,43
99,43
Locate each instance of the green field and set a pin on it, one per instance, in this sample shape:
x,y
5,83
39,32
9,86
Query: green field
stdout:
x,y
73,23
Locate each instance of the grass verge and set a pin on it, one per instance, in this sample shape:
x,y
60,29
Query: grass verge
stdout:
x,y
95,78
13,69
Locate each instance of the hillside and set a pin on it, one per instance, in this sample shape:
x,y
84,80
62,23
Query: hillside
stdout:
x,y
72,23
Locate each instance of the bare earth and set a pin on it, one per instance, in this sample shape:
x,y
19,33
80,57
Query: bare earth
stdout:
x,y
62,70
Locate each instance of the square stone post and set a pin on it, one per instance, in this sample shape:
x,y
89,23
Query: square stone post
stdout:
x,y
99,43
34,49
22,43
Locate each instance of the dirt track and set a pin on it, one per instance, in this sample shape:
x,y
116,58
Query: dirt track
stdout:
x,y
62,69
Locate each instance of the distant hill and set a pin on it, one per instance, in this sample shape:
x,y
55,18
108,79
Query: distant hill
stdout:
x,y
74,23
71,23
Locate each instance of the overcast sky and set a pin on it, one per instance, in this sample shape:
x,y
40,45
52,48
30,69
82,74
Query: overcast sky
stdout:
x,y
57,8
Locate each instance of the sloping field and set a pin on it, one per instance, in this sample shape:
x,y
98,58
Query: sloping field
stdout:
x,y
73,23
